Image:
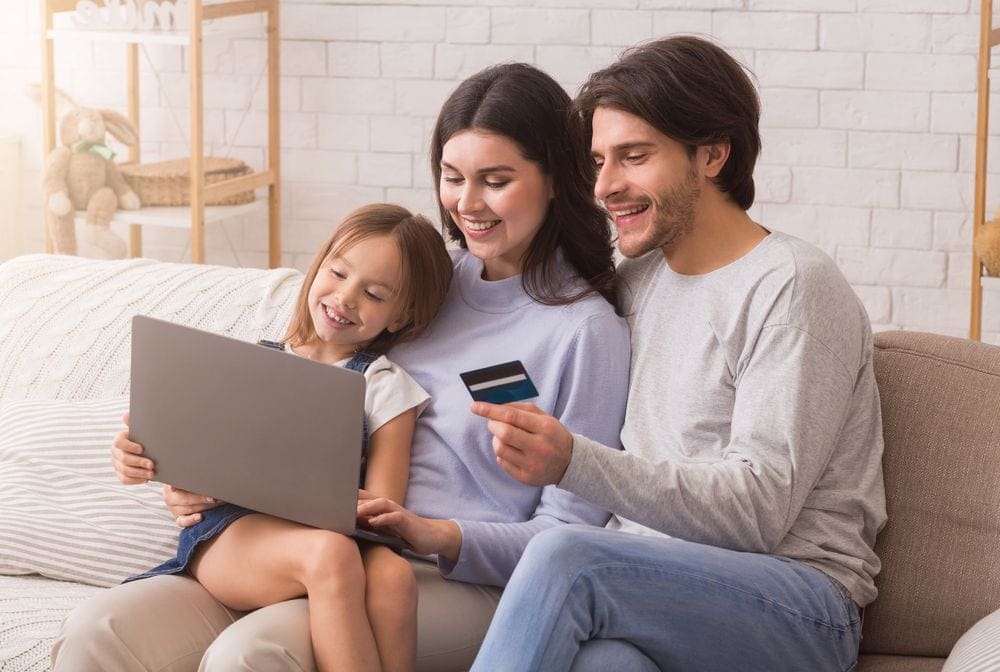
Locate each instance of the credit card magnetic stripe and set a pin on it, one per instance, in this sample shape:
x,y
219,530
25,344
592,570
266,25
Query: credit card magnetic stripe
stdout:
x,y
500,384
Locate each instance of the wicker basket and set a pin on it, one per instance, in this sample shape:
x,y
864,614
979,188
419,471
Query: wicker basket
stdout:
x,y
167,183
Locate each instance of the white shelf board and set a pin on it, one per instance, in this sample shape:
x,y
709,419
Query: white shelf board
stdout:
x,y
990,282
179,37
180,216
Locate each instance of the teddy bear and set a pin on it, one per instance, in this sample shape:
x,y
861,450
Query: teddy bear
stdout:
x,y
987,245
81,175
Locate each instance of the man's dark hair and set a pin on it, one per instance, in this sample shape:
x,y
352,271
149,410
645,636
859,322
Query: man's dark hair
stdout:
x,y
692,91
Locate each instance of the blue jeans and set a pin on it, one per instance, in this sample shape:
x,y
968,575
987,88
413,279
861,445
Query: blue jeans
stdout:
x,y
666,604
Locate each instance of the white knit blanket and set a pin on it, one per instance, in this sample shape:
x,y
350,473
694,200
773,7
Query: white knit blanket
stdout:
x,y
31,611
65,322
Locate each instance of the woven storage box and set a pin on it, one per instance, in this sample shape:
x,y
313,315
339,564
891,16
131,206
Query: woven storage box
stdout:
x,y
167,183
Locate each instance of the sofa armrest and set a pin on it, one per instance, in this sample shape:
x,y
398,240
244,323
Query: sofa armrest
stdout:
x,y
978,650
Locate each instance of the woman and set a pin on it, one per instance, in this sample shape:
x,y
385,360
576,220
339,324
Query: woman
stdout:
x,y
534,282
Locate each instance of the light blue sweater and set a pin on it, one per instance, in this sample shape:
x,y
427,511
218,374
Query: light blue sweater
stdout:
x,y
578,357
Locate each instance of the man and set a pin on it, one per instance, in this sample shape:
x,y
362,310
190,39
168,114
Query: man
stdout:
x,y
747,498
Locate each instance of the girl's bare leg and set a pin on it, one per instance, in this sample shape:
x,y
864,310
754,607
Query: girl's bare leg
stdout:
x,y
261,560
391,602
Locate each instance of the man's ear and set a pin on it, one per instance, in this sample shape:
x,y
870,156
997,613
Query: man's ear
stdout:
x,y
714,158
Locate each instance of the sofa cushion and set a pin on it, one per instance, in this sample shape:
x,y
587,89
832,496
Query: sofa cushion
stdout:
x,y
898,664
63,514
939,549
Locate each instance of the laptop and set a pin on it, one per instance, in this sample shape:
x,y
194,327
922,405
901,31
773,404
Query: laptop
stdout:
x,y
250,425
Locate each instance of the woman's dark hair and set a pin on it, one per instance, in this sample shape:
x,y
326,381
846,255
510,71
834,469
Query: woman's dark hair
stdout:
x,y
692,91
424,273
526,106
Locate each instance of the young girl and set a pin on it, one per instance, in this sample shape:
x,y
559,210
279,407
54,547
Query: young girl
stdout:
x,y
378,280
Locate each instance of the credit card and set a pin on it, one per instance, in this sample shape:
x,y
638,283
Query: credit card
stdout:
x,y
500,384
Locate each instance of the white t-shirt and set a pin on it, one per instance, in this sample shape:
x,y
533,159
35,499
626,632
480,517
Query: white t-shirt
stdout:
x,y
389,391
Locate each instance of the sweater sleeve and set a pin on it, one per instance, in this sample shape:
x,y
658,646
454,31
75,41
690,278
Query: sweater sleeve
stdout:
x,y
591,400
790,404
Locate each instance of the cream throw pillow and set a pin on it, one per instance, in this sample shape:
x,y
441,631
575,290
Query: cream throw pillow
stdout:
x,y
63,514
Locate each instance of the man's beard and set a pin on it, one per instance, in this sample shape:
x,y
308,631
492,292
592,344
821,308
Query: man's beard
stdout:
x,y
674,218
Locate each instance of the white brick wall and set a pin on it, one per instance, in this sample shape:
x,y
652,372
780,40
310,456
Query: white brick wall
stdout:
x,y
868,118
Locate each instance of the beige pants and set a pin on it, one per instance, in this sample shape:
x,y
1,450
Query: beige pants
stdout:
x,y
172,624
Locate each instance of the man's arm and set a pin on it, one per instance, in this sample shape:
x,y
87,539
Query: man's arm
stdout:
x,y
791,402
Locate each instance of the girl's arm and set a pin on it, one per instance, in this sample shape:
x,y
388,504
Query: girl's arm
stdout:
x,y
132,468
389,457
385,490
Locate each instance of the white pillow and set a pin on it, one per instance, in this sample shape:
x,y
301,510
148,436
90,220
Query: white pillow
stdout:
x,y
978,650
63,514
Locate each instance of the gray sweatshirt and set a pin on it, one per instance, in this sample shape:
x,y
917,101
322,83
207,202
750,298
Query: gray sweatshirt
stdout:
x,y
753,419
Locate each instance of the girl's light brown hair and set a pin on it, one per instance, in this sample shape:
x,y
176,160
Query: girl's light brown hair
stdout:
x,y
424,274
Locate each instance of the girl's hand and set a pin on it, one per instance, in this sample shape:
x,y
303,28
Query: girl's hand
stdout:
x,y
425,536
126,456
186,507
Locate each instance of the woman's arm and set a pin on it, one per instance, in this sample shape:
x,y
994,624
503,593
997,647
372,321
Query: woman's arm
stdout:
x,y
593,378
593,388
425,536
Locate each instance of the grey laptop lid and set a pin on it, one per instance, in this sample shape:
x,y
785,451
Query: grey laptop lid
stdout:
x,y
248,424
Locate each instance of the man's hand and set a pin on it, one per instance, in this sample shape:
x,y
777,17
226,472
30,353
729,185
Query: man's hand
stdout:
x,y
186,507
424,536
530,445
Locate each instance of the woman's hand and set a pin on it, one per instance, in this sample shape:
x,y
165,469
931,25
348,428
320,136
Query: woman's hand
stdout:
x,y
186,507
425,536
126,456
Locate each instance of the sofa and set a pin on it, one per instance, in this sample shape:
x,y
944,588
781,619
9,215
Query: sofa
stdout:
x,y
69,530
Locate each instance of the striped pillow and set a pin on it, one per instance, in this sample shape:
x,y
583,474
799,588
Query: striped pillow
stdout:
x,y
63,514
978,650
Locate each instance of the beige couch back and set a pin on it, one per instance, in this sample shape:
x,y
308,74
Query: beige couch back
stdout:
x,y
940,549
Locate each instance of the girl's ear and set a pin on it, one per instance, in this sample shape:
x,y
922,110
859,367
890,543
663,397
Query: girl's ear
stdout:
x,y
402,320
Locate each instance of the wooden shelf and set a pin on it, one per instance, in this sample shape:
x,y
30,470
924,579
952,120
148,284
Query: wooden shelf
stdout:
x,y
207,20
175,37
180,216
990,282
989,37
245,26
